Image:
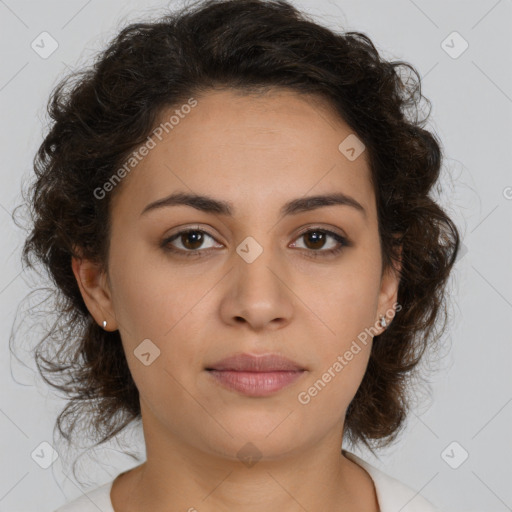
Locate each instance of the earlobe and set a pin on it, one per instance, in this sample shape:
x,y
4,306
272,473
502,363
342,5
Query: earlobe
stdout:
x,y
95,291
389,293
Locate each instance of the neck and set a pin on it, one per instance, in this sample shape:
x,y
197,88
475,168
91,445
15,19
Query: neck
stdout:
x,y
180,476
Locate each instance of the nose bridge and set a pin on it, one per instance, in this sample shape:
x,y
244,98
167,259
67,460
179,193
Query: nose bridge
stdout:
x,y
256,265
259,294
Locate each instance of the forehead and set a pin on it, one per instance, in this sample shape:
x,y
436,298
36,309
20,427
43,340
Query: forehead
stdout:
x,y
256,147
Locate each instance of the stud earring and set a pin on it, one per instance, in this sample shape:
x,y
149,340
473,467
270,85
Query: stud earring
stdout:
x,y
104,324
383,322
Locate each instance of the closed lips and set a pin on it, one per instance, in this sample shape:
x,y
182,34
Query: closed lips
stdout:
x,y
251,363
255,376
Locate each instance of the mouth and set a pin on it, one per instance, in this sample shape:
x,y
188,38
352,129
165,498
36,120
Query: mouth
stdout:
x,y
255,376
255,383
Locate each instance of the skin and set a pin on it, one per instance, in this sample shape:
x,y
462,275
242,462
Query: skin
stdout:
x,y
258,152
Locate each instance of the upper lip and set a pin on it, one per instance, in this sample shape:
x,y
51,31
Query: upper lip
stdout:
x,y
256,363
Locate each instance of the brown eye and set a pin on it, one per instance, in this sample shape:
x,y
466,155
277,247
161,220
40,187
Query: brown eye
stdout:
x,y
192,239
189,242
316,239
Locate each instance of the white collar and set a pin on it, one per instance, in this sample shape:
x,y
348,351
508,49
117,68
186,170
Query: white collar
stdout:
x,y
393,495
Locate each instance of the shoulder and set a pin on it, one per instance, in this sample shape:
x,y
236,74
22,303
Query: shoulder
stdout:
x,y
392,494
91,501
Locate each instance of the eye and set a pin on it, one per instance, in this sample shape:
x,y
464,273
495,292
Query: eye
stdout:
x,y
315,239
192,240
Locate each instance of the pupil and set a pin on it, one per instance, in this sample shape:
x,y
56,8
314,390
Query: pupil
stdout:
x,y
193,235
317,237
314,238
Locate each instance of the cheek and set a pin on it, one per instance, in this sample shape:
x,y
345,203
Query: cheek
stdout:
x,y
342,360
357,290
345,304
346,307
162,305
153,297
329,390
158,327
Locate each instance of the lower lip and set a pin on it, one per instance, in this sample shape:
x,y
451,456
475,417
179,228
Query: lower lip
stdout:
x,y
255,383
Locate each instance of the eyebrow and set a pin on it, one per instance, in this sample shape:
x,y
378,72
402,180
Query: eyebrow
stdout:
x,y
208,204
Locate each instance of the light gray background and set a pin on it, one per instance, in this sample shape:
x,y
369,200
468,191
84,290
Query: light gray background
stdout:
x,y
471,396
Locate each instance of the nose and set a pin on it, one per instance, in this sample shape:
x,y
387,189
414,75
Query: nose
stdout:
x,y
259,293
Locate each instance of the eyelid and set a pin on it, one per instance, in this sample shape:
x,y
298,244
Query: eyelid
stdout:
x,y
182,230
193,227
327,229
341,238
303,230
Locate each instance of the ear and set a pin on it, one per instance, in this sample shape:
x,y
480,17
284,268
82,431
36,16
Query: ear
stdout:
x,y
95,291
388,293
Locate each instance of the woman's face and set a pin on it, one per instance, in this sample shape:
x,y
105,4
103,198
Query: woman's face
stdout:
x,y
248,280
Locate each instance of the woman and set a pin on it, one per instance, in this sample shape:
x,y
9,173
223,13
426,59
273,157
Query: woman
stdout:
x,y
234,205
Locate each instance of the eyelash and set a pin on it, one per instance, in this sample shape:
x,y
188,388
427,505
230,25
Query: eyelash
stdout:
x,y
313,253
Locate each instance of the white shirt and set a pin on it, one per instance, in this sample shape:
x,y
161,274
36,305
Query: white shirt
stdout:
x,y
392,495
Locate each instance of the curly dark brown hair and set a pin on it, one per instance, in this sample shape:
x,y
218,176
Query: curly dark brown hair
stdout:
x,y
100,114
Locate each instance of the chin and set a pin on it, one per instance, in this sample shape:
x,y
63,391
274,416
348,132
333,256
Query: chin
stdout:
x,y
267,431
